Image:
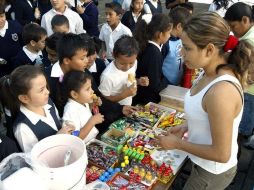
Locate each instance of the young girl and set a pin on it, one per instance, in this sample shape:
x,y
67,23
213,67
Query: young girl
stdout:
x,y
240,18
153,7
214,105
80,94
151,36
25,94
135,13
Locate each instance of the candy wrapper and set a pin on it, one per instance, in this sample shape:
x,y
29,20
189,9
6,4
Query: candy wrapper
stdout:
x,y
101,154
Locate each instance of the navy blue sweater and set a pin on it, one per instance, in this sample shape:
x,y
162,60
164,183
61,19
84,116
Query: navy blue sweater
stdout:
x,y
128,20
23,59
10,45
22,12
153,9
90,18
150,65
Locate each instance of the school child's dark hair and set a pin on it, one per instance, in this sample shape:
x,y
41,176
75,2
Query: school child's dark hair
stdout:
x,y
98,44
144,32
132,7
52,40
187,5
179,15
69,44
126,45
221,4
2,8
74,80
238,10
59,20
86,37
15,84
116,7
32,31
92,49
209,27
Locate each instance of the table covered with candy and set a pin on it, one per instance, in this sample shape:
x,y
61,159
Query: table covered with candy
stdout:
x,y
126,156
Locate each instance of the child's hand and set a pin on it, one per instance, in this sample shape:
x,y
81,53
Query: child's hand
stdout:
x,y
129,110
66,129
143,81
130,91
97,118
80,9
96,100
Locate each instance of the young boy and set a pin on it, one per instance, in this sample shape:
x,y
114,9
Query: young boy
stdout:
x,y
10,41
33,37
60,23
113,29
51,50
59,7
172,67
95,65
72,53
118,79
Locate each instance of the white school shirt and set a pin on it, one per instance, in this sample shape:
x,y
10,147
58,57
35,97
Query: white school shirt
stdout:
x,y
110,37
75,21
79,115
113,81
32,56
199,131
24,135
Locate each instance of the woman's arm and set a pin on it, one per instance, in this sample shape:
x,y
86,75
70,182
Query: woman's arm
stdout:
x,y
222,103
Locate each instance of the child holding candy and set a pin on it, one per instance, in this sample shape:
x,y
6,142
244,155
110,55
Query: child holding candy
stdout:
x,y
79,95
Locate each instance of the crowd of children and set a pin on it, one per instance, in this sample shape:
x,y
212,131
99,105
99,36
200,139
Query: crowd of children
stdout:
x,y
61,74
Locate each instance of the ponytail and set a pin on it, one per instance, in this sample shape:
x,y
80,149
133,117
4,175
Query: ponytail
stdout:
x,y
140,34
8,99
15,84
241,60
148,26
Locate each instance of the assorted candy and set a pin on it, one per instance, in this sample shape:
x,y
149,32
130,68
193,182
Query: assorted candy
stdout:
x,y
120,182
93,173
171,120
114,137
102,155
147,115
127,159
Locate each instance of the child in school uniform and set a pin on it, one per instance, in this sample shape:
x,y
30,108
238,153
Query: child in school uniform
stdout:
x,y
59,7
153,7
131,17
26,95
10,41
173,67
60,23
95,65
74,58
113,29
150,57
118,82
88,11
80,94
32,53
50,47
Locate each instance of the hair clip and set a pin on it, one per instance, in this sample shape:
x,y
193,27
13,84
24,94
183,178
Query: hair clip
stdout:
x,y
231,43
